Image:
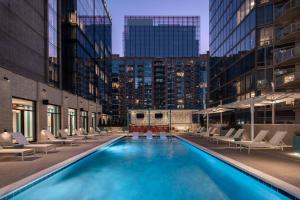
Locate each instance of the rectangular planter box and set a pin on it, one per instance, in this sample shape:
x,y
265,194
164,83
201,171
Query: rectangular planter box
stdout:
x,y
296,143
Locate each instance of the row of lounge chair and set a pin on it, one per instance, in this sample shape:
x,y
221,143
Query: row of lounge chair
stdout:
x,y
47,143
234,137
149,135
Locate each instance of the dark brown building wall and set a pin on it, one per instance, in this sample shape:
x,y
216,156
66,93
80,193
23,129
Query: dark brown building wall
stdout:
x,y
22,37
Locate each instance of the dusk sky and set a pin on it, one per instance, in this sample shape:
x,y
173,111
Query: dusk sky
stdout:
x,y
120,8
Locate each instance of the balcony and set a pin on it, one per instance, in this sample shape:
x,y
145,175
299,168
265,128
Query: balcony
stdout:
x,y
288,80
289,56
287,12
288,34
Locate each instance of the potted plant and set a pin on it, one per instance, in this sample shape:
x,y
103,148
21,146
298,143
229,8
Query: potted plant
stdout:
x,y
296,142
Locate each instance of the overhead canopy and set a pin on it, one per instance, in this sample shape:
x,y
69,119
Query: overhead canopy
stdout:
x,y
262,100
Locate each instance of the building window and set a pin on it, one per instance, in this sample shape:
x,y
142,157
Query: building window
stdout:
x,y
266,36
53,119
53,66
84,117
24,118
72,121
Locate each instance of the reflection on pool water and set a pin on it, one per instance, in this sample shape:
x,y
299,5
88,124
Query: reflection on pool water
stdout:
x,y
149,170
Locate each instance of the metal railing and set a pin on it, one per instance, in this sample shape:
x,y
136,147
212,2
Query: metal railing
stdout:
x,y
291,28
286,7
281,55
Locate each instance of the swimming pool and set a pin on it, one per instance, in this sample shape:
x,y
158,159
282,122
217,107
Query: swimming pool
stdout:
x,y
146,169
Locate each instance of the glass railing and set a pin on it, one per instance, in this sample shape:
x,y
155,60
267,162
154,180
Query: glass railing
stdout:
x,y
282,55
292,28
286,7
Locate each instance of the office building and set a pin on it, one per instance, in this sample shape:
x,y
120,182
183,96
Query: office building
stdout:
x,y
161,36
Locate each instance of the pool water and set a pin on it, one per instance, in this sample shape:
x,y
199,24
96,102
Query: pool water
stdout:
x,y
156,170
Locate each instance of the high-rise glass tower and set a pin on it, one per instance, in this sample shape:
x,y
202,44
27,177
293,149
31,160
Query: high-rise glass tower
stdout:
x,y
161,36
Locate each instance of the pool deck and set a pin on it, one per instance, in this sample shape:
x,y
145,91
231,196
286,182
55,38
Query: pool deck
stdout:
x,y
12,169
283,165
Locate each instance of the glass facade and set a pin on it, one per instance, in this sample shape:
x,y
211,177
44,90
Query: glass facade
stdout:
x,y
87,57
24,118
247,46
161,36
53,50
53,119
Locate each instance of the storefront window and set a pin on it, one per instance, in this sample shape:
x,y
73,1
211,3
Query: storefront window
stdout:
x,y
53,119
84,116
24,118
72,121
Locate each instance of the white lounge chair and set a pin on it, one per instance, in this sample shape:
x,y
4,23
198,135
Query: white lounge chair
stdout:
x,y
48,137
163,136
258,138
276,142
82,133
20,139
200,130
102,131
205,132
149,135
21,152
227,135
237,134
135,135
208,133
64,135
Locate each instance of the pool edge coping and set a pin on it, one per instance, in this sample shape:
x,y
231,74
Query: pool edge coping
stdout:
x,y
266,178
18,185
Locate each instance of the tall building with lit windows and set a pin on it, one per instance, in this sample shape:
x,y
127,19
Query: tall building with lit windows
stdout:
x,y
161,36
253,50
55,64
157,83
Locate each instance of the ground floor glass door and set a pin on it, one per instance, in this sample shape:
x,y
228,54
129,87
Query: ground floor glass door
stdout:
x,y
72,121
84,117
53,119
24,118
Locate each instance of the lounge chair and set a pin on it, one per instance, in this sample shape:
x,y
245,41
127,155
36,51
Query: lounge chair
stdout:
x,y
230,140
20,139
93,131
135,135
49,138
200,130
22,152
102,131
163,136
149,135
64,135
258,138
207,134
227,135
276,142
82,133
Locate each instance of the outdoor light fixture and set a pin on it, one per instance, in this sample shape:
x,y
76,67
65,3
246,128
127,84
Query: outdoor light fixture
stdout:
x,y
45,101
5,135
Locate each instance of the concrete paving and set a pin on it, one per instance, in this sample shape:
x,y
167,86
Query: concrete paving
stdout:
x,y
283,165
13,169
